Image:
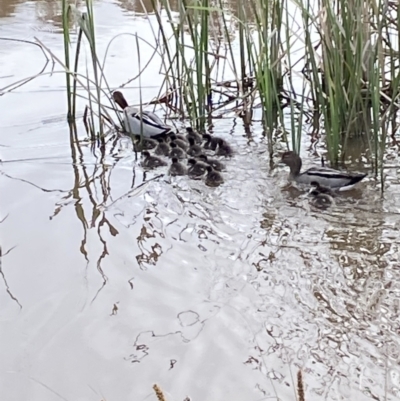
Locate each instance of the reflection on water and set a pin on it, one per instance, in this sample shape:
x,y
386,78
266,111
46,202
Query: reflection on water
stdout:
x,y
124,278
7,7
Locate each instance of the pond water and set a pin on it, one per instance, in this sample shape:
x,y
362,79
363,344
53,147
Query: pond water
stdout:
x,y
113,279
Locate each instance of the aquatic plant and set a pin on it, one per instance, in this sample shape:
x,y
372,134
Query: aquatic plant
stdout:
x,y
336,70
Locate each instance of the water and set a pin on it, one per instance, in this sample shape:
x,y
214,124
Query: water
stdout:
x,y
113,280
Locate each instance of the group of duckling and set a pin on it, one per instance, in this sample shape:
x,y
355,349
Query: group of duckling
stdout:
x,y
189,154
157,136
193,146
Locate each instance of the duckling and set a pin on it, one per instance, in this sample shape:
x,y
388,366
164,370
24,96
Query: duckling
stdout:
x,y
162,148
322,197
180,141
177,168
322,201
214,163
223,149
191,133
152,161
176,151
211,142
194,150
197,169
213,178
145,143
318,189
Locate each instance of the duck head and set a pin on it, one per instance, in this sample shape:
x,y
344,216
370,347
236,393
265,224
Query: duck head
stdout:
x,y
120,100
293,160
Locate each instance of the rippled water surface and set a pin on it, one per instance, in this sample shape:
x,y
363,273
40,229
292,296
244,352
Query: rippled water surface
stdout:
x,y
113,279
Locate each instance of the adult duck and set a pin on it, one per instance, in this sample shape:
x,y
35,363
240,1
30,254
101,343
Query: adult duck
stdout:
x,y
323,176
137,122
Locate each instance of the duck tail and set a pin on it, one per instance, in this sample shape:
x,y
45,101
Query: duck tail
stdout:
x,y
357,178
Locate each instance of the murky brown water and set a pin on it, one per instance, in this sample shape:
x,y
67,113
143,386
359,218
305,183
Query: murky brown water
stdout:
x,y
108,286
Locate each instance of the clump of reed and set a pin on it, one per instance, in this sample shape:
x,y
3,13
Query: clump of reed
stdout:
x,y
329,65
353,71
93,81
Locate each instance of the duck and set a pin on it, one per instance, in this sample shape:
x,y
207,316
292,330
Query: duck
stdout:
x,y
318,189
191,133
322,197
176,151
214,163
177,168
197,169
162,148
152,161
145,143
143,123
323,176
223,149
213,178
194,149
211,142
180,141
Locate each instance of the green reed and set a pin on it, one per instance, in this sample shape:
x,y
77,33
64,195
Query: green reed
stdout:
x,y
348,49
86,25
348,69
188,56
268,24
67,40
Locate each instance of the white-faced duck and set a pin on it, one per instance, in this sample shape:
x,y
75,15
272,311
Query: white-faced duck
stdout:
x,y
162,148
324,176
223,149
191,133
197,169
214,163
152,161
194,150
177,168
140,122
176,151
213,178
